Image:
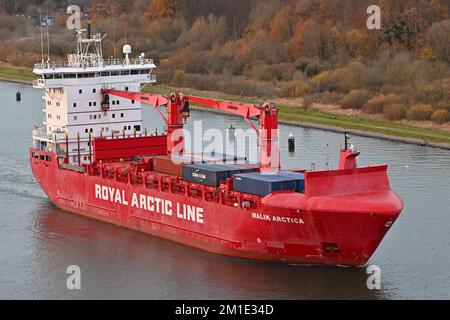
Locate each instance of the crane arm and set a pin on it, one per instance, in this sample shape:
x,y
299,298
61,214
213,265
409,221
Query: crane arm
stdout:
x,y
245,110
178,112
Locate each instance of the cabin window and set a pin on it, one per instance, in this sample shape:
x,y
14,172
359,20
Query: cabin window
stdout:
x,y
90,104
126,88
114,102
95,104
117,102
99,116
129,127
94,90
113,115
132,101
95,117
86,131
137,128
75,118
90,117
121,115
80,91
74,105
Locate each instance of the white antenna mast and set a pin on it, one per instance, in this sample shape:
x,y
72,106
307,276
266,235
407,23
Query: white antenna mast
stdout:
x,y
48,39
114,36
42,36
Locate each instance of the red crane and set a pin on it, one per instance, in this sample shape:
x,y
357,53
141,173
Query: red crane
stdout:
x,y
178,111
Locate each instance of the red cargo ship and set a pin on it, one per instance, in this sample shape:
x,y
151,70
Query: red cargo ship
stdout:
x,y
93,158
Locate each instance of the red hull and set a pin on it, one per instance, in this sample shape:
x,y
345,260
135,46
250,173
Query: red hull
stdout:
x,y
320,227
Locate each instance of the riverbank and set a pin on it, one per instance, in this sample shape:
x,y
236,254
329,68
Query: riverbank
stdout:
x,y
297,116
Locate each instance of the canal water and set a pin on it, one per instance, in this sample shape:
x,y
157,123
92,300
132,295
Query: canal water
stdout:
x,y
38,241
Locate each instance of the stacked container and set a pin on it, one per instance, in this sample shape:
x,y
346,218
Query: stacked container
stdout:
x,y
264,184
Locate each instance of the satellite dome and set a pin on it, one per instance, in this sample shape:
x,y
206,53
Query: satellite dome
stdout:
x,y
127,49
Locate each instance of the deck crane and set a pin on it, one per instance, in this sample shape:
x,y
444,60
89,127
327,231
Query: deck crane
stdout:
x,y
178,112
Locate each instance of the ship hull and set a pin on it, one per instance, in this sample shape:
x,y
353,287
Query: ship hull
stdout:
x,y
265,233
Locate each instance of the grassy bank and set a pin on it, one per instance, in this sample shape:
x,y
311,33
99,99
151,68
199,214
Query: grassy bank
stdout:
x,y
328,119
16,73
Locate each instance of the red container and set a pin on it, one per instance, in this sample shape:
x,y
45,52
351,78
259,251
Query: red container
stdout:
x,y
165,164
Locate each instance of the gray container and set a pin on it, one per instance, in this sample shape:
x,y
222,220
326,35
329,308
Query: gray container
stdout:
x,y
211,174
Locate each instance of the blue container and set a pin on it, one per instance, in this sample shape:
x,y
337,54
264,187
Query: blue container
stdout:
x,y
263,184
211,174
298,177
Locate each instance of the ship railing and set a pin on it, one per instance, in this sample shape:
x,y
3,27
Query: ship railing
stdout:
x,y
40,132
92,63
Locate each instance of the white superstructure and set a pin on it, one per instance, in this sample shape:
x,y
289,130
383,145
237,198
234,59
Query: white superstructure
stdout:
x,y
73,99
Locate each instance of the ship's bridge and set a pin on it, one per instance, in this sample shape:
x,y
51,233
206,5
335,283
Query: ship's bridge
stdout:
x,y
60,74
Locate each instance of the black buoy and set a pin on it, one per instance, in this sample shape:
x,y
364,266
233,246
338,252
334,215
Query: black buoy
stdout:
x,y
291,143
18,96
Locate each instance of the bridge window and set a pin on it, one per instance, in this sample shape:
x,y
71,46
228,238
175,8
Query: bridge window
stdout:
x,y
106,74
115,73
134,72
125,73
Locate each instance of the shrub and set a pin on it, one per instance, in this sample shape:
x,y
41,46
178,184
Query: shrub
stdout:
x,y
396,111
329,97
355,99
309,101
419,112
440,116
178,77
375,105
294,89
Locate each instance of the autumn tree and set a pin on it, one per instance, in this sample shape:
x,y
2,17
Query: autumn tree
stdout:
x,y
164,9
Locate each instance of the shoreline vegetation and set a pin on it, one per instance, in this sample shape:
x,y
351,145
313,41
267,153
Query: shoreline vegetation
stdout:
x,y
297,115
